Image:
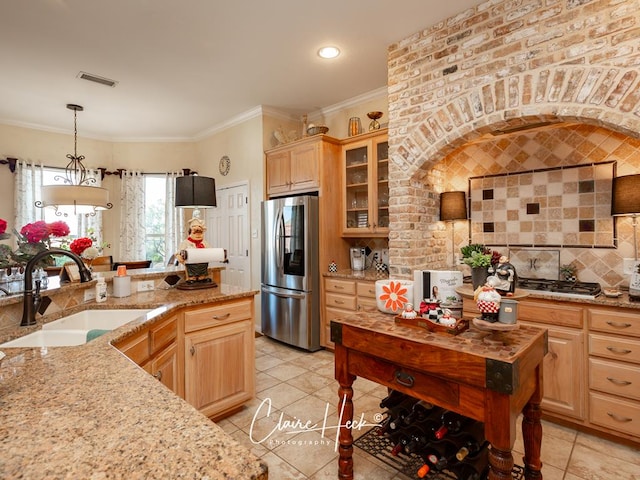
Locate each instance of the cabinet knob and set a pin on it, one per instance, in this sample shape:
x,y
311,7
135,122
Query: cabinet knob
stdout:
x,y
158,375
192,350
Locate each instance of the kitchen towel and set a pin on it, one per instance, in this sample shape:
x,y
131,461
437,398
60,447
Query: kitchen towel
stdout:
x,y
91,334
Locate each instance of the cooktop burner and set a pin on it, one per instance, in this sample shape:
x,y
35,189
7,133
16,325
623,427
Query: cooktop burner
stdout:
x,y
560,287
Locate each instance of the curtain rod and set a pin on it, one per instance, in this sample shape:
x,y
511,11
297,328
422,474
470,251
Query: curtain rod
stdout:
x,y
11,162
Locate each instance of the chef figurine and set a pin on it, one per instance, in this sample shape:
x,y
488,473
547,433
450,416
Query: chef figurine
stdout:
x,y
195,272
408,311
506,277
447,320
488,300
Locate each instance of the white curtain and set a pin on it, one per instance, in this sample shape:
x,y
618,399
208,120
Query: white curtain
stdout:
x,y
174,217
132,217
91,222
28,185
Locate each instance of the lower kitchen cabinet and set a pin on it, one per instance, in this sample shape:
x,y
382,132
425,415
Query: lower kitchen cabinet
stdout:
x,y
155,350
205,354
344,296
219,372
592,370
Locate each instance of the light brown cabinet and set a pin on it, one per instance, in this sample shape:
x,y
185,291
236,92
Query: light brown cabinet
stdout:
x,y
297,167
155,350
205,354
614,373
219,373
343,297
365,185
592,369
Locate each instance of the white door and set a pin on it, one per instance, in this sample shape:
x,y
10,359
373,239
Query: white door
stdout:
x,y
228,227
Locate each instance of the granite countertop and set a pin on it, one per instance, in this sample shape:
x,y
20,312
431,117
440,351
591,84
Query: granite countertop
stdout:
x,y
90,412
369,275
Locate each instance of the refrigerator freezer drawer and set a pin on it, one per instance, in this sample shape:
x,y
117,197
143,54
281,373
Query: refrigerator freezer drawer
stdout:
x,y
291,317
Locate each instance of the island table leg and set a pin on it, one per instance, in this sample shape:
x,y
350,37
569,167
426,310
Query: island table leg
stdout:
x,y
345,414
532,433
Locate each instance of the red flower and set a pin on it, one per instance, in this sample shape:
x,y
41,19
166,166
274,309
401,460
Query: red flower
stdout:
x,y
3,226
79,245
35,232
393,296
59,229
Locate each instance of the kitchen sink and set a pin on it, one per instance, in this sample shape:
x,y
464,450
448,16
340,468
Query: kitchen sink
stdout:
x,y
72,330
49,338
96,319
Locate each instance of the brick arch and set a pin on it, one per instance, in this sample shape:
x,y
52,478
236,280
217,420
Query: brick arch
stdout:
x,y
598,95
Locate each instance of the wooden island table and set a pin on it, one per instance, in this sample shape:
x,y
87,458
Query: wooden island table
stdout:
x,y
492,382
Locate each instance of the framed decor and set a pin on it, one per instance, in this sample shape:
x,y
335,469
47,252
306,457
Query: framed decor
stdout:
x,y
565,207
70,273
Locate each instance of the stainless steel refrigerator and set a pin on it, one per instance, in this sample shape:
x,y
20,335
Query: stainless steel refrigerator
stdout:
x,y
290,287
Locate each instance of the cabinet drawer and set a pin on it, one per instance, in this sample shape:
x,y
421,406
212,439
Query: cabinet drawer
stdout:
x,y
550,313
223,313
614,347
367,304
340,301
615,378
340,286
136,347
366,289
611,412
618,321
163,334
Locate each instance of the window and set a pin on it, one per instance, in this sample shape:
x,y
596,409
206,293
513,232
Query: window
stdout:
x,y
155,222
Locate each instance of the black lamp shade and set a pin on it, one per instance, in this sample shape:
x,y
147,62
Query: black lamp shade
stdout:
x,y
453,206
626,195
195,191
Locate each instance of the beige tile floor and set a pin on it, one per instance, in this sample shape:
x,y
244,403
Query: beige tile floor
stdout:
x,y
296,389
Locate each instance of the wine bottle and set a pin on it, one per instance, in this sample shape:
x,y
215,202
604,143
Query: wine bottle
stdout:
x,y
419,411
470,441
423,470
472,468
451,422
440,454
394,398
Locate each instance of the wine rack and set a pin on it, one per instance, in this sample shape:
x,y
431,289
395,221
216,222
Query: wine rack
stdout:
x,y
424,441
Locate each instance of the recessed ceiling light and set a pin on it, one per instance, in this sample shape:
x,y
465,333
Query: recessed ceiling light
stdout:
x,y
329,52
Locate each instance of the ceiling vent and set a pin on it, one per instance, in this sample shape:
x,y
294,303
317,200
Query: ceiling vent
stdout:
x,y
95,78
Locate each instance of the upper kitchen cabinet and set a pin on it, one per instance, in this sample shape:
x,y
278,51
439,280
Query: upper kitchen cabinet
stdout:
x,y
365,185
298,167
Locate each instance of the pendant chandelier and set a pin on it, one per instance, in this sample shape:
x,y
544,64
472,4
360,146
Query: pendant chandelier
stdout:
x,y
75,195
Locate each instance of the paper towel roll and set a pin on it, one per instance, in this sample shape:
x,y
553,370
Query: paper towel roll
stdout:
x,y
203,255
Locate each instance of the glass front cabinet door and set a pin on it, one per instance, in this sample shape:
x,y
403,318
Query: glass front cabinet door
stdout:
x,y
366,186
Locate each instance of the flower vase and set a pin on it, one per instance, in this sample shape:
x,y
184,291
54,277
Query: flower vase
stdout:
x,y
479,276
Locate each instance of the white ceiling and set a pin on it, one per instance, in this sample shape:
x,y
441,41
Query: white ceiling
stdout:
x,y
184,67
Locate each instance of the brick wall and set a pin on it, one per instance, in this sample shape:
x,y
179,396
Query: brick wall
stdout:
x,y
495,66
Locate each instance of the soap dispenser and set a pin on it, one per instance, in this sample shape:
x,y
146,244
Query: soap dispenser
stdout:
x,y
101,289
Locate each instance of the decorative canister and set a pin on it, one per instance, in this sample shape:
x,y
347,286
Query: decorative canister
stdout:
x,y
333,267
354,126
508,311
381,267
391,295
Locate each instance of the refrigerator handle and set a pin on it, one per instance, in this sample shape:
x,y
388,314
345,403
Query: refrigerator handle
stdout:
x,y
279,239
283,295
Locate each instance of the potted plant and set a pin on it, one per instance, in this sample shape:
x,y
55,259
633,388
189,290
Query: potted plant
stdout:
x,y
479,258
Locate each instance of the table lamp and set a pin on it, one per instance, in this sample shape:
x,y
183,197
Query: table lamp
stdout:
x,y
453,206
625,201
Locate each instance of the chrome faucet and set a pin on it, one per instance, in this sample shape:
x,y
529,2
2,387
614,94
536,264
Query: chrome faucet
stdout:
x,y
31,300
